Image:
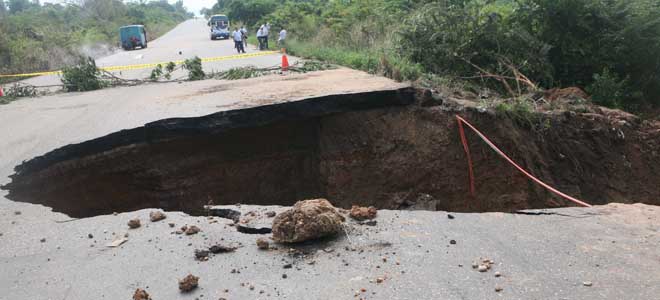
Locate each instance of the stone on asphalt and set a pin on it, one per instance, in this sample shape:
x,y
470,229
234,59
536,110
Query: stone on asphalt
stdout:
x,y
307,220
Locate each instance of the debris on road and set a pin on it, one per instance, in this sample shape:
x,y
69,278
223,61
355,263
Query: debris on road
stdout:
x,y
253,230
43,240
141,294
587,283
263,243
134,223
450,216
117,243
190,230
188,283
156,216
202,255
215,249
483,264
363,213
307,220
498,289
271,214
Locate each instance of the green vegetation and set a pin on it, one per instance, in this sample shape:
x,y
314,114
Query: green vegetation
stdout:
x,y
36,37
84,76
610,48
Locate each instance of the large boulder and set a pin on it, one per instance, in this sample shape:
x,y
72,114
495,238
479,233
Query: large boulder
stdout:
x,y
307,220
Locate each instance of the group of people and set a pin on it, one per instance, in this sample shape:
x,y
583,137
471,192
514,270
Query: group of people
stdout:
x,y
240,37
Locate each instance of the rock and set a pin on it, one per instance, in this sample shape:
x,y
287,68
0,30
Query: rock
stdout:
x,y
453,242
192,229
134,223
363,213
307,220
215,249
482,268
188,283
202,255
498,274
263,243
380,280
587,283
288,266
450,216
89,235
156,216
18,212
171,225
141,294
498,289
284,276
43,240
271,214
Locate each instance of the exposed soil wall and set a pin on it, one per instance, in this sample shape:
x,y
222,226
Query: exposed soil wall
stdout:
x,y
384,149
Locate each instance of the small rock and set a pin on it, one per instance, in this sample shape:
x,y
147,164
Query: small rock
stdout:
x,y
156,216
482,268
498,289
192,229
188,283
363,213
271,214
587,283
288,266
171,225
380,280
498,274
89,235
450,216
453,242
263,243
202,255
284,276
134,223
215,249
18,212
141,294
43,240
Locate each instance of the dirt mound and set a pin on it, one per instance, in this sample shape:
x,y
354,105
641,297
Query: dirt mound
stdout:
x,y
307,220
566,94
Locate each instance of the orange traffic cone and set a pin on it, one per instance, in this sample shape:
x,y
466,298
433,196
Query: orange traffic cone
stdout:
x,y
285,61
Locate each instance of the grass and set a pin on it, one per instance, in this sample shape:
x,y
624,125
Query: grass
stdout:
x,y
370,61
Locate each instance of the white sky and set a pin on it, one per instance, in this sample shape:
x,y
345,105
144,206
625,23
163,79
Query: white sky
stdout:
x,y
193,5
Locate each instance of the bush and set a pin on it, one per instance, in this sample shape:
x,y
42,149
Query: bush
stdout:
x,y
194,67
608,89
84,76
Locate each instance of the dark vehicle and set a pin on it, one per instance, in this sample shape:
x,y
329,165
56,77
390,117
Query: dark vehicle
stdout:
x,y
133,36
219,27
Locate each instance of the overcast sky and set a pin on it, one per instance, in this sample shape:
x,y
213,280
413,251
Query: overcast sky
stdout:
x,y
193,5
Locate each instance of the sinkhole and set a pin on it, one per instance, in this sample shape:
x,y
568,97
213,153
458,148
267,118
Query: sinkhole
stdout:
x,y
393,149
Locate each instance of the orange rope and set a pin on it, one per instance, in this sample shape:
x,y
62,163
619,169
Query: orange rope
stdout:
x,y
462,121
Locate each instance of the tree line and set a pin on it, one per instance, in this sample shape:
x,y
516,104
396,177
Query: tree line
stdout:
x,y
38,36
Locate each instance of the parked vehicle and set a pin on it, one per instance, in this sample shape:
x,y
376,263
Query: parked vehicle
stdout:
x,y
133,36
219,27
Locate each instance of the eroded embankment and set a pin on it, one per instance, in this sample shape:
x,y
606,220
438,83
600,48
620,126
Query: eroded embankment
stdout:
x,y
391,149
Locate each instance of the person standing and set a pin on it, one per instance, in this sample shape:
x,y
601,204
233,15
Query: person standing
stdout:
x,y
244,32
281,40
266,31
238,40
260,37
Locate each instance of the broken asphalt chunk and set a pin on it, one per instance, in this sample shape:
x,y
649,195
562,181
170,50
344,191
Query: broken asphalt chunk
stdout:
x,y
156,216
363,213
188,283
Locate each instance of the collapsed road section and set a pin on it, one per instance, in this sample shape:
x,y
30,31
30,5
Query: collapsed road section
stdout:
x,y
392,149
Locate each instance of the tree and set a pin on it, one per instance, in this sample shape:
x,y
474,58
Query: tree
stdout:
x,y
16,6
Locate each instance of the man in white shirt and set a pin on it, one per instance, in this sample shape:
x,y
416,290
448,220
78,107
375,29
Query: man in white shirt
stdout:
x,y
266,29
244,32
280,41
260,37
238,40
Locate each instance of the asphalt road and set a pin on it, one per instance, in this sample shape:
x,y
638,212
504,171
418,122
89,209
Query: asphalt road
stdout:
x,y
187,40
45,255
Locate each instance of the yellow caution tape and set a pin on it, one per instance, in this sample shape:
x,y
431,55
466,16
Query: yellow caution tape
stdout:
x,y
153,65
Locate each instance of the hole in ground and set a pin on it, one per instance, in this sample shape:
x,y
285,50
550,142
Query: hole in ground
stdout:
x,y
389,149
